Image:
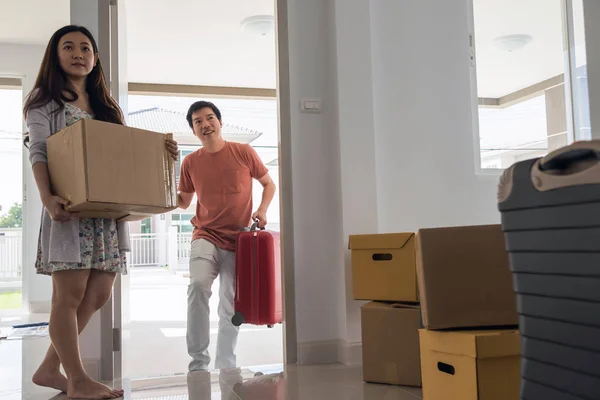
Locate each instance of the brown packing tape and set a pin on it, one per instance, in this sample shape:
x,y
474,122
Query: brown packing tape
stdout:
x,y
405,305
84,148
167,176
420,279
170,177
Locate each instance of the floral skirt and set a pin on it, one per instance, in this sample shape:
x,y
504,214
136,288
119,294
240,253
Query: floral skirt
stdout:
x,y
99,244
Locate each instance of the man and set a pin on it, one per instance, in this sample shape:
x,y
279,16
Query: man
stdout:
x,y
220,174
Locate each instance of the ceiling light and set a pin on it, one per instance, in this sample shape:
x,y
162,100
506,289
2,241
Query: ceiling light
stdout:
x,y
511,43
259,24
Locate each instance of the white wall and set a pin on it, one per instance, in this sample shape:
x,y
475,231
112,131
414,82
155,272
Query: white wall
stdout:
x,y
24,61
423,118
316,183
393,150
357,146
591,10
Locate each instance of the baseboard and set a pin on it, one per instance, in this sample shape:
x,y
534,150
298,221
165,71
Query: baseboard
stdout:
x,y
351,353
92,367
315,353
39,307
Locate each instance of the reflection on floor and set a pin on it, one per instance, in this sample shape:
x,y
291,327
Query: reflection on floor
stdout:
x,y
155,314
296,383
19,358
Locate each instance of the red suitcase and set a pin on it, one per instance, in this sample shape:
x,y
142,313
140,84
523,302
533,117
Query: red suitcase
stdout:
x,y
258,278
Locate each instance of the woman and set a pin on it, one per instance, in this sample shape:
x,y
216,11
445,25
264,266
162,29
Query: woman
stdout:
x,y
82,256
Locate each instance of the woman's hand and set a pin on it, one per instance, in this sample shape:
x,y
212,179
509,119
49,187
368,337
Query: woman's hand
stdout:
x,y
55,207
172,147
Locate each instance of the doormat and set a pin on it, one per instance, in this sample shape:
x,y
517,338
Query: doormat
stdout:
x,y
28,331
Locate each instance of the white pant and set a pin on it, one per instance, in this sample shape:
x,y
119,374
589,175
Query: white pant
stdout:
x,y
206,262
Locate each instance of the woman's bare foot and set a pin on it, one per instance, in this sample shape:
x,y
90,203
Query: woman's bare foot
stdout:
x,y
88,388
51,378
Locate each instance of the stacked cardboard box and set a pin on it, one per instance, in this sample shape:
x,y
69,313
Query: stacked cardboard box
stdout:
x,y
384,272
448,293
470,345
112,171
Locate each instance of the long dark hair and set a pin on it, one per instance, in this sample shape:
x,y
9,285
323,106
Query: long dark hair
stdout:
x,y
51,83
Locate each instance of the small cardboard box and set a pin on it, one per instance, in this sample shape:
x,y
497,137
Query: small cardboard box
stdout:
x,y
470,365
464,278
390,340
112,171
383,267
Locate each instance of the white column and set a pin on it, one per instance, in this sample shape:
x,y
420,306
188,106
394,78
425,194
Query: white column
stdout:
x,y
160,228
25,61
357,142
118,87
591,10
100,349
312,229
87,13
172,248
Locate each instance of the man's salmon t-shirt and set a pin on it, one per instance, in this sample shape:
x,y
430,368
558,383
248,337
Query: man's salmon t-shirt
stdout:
x,y
222,182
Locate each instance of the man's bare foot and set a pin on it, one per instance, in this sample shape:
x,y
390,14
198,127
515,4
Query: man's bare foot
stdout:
x,y
50,378
88,388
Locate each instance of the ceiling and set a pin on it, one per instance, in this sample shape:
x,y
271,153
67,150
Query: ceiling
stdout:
x,y
202,42
20,24
500,73
199,42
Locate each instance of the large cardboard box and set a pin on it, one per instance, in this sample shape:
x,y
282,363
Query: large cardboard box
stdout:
x,y
390,340
470,365
464,278
112,171
383,267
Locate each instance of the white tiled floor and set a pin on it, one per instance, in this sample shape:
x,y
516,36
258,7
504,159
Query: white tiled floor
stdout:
x,y
19,358
164,328
296,383
156,307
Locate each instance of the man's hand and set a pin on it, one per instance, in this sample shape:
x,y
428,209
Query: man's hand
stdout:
x,y
261,217
172,147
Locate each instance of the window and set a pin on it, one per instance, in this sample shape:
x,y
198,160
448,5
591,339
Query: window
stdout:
x,y
11,215
182,222
523,90
514,133
146,226
579,76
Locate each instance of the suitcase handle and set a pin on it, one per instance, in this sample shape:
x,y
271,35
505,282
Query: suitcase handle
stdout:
x,y
577,164
255,227
252,228
566,159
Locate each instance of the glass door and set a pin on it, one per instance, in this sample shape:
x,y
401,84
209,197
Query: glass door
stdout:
x,y
576,57
11,196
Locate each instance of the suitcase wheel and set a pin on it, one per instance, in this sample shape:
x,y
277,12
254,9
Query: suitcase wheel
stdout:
x,y
269,326
237,319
